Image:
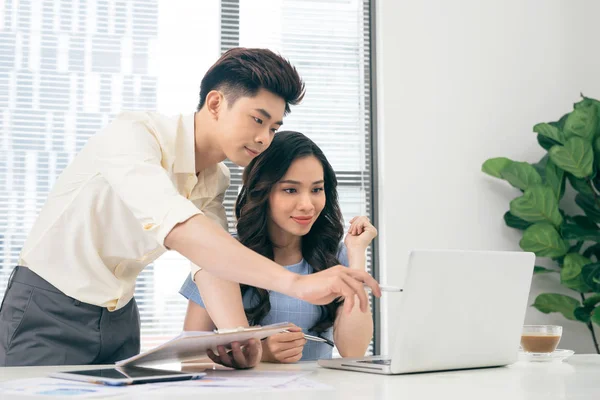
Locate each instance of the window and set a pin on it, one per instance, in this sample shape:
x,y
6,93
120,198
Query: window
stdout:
x,y
328,41
67,67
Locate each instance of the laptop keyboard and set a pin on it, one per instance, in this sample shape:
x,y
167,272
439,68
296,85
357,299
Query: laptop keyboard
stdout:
x,y
379,362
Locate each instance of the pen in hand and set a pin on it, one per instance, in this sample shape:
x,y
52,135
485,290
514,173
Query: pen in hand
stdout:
x,y
317,339
386,288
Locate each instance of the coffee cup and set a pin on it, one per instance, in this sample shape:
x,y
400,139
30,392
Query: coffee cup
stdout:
x,y
540,338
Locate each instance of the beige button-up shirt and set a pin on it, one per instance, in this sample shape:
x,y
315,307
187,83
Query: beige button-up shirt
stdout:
x,y
110,210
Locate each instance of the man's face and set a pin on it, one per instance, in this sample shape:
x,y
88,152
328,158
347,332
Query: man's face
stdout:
x,y
246,129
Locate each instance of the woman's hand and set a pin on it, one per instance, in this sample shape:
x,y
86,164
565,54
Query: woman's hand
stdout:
x,y
284,347
238,357
360,235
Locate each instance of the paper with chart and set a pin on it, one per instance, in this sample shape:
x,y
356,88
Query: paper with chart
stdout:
x,y
52,388
214,382
244,381
193,345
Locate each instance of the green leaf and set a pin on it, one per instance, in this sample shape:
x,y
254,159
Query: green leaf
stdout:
x,y
573,249
555,178
576,157
516,222
546,143
593,250
591,276
596,179
596,316
583,314
540,166
537,204
587,102
597,151
582,122
543,239
572,266
578,284
542,270
580,185
560,124
553,302
493,166
570,274
584,222
588,205
551,132
576,232
592,300
576,247
521,175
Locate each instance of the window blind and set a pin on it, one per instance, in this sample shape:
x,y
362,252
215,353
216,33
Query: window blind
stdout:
x,y
68,67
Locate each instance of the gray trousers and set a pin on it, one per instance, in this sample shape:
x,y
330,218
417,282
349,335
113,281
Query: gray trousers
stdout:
x,y
40,325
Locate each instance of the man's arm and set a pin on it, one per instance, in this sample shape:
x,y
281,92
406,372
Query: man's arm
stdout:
x,y
134,171
206,244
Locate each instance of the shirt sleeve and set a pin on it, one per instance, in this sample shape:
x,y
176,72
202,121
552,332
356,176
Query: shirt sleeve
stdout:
x,y
128,155
190,291
343,255
215,210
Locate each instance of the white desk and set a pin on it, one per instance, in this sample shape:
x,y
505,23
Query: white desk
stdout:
x,y
578,378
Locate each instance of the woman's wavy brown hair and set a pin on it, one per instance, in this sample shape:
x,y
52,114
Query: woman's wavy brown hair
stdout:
x,y
319,247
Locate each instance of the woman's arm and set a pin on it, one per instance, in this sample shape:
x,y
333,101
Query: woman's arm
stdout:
x,y
197,318
222,301
352,332
224,309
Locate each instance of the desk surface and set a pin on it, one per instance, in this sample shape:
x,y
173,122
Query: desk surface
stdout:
x,y
578,378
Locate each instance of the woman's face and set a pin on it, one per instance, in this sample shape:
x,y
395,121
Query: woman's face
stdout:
x,y
296,201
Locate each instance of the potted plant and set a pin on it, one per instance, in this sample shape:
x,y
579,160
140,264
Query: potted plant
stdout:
x,y
572,241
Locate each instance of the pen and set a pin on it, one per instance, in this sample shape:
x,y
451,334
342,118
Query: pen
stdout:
x,y
316,339
386,288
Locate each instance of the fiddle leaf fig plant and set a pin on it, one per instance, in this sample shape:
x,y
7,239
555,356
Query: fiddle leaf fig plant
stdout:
x,y
571,241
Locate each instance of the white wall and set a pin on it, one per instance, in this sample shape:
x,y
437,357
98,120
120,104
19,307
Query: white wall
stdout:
x,y
460,82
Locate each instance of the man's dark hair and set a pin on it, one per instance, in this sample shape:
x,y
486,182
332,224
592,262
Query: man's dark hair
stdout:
x,y
242,72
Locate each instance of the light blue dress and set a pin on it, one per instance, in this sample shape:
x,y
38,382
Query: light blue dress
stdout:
x,y
285,308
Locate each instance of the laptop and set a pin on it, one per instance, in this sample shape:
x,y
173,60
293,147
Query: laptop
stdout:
x,y
458,310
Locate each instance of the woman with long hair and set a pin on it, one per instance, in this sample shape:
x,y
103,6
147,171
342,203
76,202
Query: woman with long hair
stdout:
x,y
288,211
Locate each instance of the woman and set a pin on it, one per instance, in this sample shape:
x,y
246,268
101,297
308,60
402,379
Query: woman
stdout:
x,y
288,211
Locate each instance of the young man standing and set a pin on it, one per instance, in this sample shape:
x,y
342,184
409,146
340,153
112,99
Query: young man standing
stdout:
x,y
145,184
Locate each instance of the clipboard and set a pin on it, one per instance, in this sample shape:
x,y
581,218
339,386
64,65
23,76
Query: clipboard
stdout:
x,y
191,345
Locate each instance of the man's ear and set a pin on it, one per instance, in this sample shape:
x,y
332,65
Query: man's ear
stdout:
x,y
214,103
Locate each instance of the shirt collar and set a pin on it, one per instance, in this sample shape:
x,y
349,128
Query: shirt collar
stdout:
x,y
185,152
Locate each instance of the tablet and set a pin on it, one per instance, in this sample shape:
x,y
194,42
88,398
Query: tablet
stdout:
x,y
130,375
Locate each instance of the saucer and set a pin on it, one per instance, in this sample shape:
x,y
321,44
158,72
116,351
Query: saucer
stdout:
x,y
557,355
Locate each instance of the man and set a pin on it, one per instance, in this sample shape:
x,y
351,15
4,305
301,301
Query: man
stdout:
x,y
145,184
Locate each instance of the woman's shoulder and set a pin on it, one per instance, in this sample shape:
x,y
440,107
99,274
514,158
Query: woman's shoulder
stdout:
x,y
342,256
